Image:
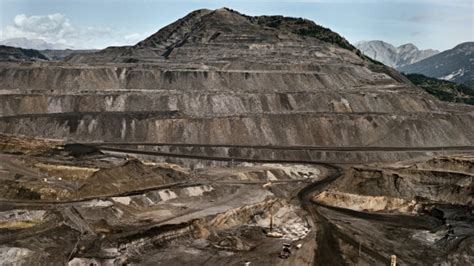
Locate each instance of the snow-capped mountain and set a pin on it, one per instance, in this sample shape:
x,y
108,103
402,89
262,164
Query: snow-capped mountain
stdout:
x,y
455,65
394,56
36,44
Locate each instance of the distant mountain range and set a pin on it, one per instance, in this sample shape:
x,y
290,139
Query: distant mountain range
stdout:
x,y
456,65
393,56
59,55
8,53
36,44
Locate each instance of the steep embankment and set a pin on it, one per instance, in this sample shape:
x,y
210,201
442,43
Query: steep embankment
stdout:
x,y
219,77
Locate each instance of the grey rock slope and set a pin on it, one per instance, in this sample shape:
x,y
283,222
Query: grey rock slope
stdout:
x,y
8,53
219,34
59,55
217,77
394,56
455,65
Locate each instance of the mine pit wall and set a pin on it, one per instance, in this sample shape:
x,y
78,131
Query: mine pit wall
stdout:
x,y
302,129
458,164
52,89
169,234
213,157
197,93
332,105
106,78
208,103
198,161
408,184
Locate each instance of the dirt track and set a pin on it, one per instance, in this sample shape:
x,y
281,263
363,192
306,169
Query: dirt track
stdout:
x,y
104,145
335,234
328,234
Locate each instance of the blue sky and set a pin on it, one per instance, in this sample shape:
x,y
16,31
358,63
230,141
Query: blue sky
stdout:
x,y
437,24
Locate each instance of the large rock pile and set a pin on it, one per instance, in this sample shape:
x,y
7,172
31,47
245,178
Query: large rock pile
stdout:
x,y
219,77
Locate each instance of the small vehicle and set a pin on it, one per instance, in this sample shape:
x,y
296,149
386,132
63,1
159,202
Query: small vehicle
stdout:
x,y
285,252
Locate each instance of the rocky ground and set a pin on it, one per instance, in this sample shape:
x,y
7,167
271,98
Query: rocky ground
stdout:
x,y
78,205
422,211
218,77
222,137
74,204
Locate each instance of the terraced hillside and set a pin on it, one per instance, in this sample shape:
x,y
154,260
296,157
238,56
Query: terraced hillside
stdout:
x,y
219,77
70,204
222,138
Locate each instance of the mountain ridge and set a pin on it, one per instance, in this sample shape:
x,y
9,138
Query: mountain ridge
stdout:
x,y
206,25
9,53
456,64
392,56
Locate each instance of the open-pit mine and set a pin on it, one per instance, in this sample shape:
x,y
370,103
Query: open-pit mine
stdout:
x,y
225,139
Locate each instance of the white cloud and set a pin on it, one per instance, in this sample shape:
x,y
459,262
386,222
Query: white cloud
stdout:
x,y
52,28
57,29
134,37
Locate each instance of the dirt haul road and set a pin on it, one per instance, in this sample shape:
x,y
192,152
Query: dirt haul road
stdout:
x,y
330,237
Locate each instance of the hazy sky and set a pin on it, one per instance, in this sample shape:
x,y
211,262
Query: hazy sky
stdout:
x,y
438,24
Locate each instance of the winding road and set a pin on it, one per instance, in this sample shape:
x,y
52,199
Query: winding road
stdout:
x,y
328,235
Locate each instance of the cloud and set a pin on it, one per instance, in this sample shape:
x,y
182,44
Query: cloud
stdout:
x,y
134,37
52,28
58,29
439,17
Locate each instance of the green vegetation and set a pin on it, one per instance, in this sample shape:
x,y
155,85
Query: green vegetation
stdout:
x,y
305,27
34,54
13,53
443,90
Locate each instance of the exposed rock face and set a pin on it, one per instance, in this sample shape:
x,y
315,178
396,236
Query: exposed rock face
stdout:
x,y
218,77
59,208
380,51
394,56
409,54
429,202
240,88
